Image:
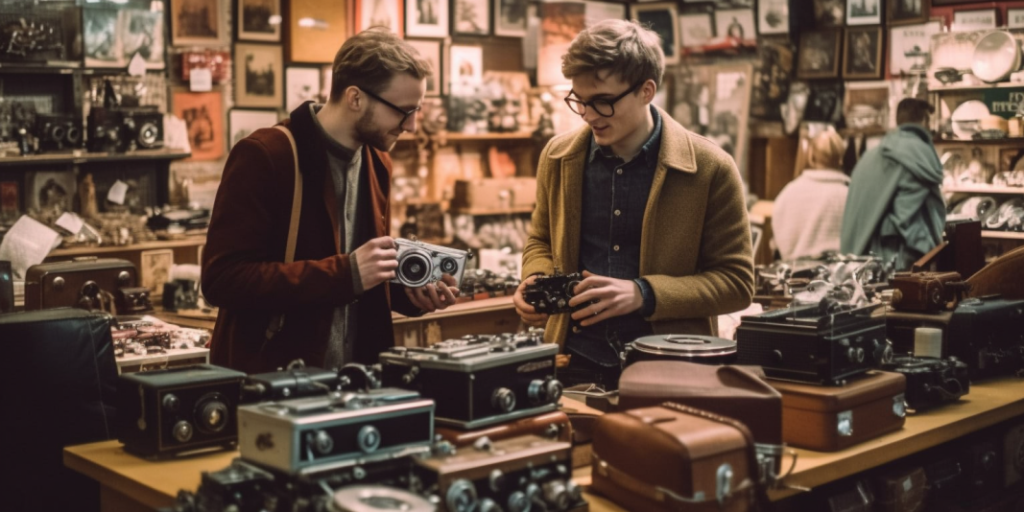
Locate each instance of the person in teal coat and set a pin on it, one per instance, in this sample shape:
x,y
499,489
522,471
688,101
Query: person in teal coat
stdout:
x,y
895,209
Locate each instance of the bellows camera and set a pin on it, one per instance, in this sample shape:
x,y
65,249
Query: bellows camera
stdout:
x,y
421,263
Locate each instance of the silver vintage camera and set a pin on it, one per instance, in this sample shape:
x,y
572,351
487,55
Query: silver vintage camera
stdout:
x,y
421,263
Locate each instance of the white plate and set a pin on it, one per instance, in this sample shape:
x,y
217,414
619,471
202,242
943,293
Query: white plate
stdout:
x,y
966,119
996,55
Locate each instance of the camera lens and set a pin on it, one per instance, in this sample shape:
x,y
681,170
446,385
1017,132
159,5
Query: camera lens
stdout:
x,y
449,265
57,133
148,135
211,413
414,268
74,135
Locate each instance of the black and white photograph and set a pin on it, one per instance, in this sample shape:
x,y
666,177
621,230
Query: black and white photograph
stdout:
x,y
426,18
866,105
258,76
773,17
142,33
259,20
102,48
465,67
696,29
50,192
818,56
736,24
196,22
243,122
863,12
829,13
510,18
713,100
301,85
773,71
907,11
1015,18
909,46
379,13
863,55
661,17
974,19
431,51
471,17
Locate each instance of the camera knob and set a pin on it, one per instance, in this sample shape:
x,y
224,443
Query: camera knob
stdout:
x,y
461,496
171,403
574,490
489,505
553,390
496,480
536,392
532,493
503,399
368,439
182,431
518,502
556,495
322,442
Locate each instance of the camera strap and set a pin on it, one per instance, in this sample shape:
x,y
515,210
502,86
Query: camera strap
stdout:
x,y
277,321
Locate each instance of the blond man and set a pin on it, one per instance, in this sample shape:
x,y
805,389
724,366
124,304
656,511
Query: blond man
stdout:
x,y
334,300
652,214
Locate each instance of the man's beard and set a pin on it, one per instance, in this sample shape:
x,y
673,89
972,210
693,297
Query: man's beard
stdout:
x,y
368,134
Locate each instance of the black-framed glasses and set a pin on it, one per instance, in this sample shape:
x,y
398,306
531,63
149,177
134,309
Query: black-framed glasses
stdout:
x,y
400,110
605,107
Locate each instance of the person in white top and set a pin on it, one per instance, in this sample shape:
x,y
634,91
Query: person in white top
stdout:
x,y
808,213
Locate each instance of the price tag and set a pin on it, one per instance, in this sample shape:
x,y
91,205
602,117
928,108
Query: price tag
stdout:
x,y
117,192
200,80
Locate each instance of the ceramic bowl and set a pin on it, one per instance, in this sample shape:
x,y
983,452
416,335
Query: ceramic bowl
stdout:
x,y
996,56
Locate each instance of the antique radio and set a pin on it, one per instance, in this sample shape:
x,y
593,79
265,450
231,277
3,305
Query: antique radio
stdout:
x,y
420,263
132,300
514,474
479,380
83,282
931,381
340,429
167,412
551,294
926,291
824,343
1013,455
56,132
550,425
680,347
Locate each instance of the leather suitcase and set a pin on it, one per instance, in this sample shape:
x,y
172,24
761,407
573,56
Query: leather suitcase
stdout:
x,y
831,418
87,283
926,291
901,491
550,425
672,457
582,421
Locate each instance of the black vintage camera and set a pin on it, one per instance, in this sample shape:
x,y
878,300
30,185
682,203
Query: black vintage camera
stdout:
x,y
551,294
116,130
58,131
167,412
931,381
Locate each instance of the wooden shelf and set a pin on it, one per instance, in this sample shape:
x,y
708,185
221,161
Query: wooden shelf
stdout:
x,y
59,67
1004,235
86,157
1007,141
489,211
982,87
89,250
983,189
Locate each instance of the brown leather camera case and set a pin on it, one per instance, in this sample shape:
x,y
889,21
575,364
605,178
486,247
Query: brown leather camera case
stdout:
x,y
831,418
900,491
673,457
926,291
550,425
77,283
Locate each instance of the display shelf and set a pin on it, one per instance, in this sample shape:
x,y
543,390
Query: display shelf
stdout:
x,y
491,211
983,142
86,157
981,87
89,250
1004,235
983,189
60,67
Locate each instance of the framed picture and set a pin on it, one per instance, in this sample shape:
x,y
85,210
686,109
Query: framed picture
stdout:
x,y
426,18
258,76
50,191
773,71
907,11
866,106
142,33
317,30
909,47
1015,18
773,17
863,12
661,17
217,61
301,85
559,24
829,13
818,55
737,24
155,269
203,113
465,66
510,18
431,51
197,22
241,122
102,48
695,29
974,19
471,17
863,55
377,13
259,20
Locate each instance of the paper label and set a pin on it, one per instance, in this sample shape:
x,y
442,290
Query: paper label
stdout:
x,y
200,80
71,222
117,192
137,66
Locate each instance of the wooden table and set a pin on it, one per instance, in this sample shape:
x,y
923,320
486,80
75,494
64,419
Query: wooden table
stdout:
x,y
129,483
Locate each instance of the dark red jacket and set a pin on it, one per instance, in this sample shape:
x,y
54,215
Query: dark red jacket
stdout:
x,y
243,269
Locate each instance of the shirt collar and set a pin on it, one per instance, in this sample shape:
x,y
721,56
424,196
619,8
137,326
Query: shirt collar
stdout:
x,y
649,150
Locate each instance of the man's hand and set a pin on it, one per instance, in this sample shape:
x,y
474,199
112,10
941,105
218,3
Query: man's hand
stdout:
x,y
527,312
377,260
615,297
434,296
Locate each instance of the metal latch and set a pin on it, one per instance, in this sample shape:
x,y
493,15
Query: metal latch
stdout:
x,y
899,406
723,487
844,423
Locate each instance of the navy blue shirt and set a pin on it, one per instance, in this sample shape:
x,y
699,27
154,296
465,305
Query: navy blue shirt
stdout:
x,y
615,194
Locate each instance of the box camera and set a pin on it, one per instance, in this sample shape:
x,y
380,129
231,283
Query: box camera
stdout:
x,y
56,132
551,294
420,263
168,412
116,130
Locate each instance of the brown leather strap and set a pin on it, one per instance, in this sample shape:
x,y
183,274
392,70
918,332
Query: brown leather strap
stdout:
x,y
277,321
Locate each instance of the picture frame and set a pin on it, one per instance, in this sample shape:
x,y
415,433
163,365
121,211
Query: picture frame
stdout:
x,y
829,13
242,122
818,54
142,31
559,23
426,18
155,269
465,67
902,12
736,24
773,17
195,23
471,17
203,113
50,190
431,51
301,84
663,18
316,31
862,56
510,18
258,76
968,20
910,47
864,12
378,13
259,20
866,106
100,37
696,29
1015,18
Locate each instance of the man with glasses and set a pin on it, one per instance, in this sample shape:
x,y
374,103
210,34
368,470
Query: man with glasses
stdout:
x,y
651,214
332,305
